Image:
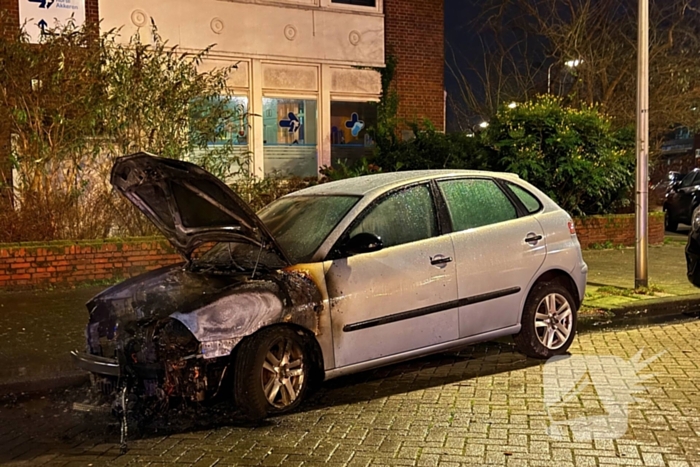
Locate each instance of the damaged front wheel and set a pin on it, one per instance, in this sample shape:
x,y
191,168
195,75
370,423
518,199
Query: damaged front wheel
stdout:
x,y
272,372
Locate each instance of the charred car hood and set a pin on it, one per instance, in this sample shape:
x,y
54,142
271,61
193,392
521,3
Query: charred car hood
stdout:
x,y
157,294
188,204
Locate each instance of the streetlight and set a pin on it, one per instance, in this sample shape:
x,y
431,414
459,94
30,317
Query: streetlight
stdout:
x,y
484,125
512,105
568,63
641,272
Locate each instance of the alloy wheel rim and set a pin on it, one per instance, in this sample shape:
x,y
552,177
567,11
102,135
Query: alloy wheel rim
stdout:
x,y
282,373
554,321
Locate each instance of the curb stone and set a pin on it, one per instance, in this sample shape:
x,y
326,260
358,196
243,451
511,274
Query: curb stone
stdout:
x,y
644,312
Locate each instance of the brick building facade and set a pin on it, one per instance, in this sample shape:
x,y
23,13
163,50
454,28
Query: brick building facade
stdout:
x,y
305,67
415,36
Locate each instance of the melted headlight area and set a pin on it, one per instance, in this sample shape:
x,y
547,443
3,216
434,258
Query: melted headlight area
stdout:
x,y
164,362
186,374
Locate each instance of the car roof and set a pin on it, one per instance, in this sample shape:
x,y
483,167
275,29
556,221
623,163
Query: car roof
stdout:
x,y
379,183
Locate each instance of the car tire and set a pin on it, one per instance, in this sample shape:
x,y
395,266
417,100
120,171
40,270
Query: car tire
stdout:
x,y
272,373
548,323
670,224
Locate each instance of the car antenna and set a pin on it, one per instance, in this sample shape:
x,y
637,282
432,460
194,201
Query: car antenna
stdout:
x,y
257,261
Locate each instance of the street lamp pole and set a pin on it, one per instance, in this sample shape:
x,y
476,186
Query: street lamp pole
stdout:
x,y
642,206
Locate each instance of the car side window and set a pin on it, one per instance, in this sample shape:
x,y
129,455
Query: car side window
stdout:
x,y
475,203
531,203
688,180
402,217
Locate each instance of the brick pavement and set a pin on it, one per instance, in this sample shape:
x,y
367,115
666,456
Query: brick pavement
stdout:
x,y
482,406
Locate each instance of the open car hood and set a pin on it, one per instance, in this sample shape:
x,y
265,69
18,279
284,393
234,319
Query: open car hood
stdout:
x,y
188,204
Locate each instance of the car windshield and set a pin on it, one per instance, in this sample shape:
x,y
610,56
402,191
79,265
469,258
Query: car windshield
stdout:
x,y
301,223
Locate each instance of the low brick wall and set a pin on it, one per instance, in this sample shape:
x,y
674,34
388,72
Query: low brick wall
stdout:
x,y
64,263
616,230
27,265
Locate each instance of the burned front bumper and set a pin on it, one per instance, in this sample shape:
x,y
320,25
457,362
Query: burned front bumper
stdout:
x,y
106,366
96,364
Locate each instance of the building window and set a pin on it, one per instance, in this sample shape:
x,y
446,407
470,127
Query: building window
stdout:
x,y
370,3
350,139
231,136
236,130
290,136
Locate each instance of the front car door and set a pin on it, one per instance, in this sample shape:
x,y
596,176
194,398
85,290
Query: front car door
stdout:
x,y
499,247
402,297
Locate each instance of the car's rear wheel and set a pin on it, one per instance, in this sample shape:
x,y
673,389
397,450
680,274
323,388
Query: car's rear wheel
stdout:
x,y
272,373
548,324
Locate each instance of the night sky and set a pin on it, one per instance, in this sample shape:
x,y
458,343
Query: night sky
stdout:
x,y
459,34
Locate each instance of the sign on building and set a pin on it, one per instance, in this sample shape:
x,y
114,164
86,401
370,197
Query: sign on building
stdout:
x,y
41,15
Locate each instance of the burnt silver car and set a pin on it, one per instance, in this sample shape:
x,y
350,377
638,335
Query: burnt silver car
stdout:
x,y
331,280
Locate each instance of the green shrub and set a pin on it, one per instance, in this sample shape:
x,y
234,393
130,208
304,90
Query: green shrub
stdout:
x,y
573,155
343,170
430,149
259,192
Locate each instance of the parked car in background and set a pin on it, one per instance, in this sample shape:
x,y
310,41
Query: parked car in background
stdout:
x,y
692,250
659,190
331,280
681,200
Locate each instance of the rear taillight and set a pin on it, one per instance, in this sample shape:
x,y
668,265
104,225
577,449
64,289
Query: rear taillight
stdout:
x,y
572,228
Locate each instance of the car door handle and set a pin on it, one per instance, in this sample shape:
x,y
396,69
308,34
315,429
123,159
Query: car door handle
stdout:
x,y
440,259
533,238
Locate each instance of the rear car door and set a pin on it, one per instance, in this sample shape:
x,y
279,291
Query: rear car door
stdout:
x,y
402,297
499,247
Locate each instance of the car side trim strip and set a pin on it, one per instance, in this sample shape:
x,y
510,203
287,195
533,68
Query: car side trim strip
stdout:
x,y
428,310
422,352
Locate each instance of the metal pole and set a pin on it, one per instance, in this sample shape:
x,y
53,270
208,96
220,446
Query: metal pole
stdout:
x,y
642,209
549,79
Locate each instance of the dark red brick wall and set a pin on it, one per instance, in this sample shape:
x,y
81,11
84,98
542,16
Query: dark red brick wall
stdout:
x,y
618,230
58,263
9,11
415,36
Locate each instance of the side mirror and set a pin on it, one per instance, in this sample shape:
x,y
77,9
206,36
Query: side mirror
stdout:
x,y
363,243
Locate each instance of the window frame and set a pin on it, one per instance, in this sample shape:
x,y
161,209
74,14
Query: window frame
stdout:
x,y
691,176
377,9
520,210
507,185
345,3
334,253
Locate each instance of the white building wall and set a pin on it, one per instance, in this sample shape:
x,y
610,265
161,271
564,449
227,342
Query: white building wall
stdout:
x,y
299,49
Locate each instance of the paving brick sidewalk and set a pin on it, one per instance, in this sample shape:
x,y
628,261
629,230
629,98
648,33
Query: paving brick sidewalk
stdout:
x,y
38,329
487,405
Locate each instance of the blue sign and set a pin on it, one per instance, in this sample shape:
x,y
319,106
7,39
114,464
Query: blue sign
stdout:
x,y
355,124
43,3
292,123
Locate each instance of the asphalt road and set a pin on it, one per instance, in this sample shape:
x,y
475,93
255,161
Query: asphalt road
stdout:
x,y
484,405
